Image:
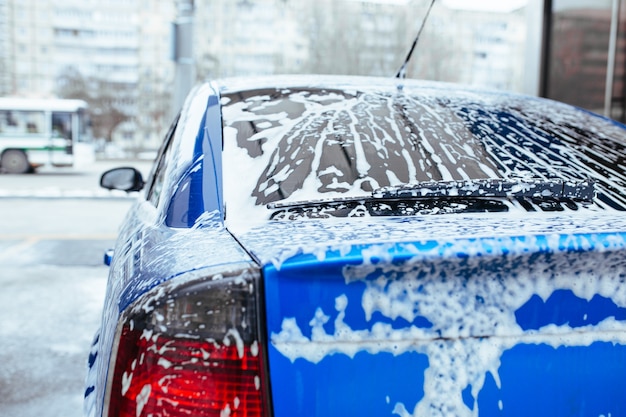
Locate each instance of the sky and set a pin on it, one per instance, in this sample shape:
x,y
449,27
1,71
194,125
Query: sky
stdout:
x,y
486,5
504,6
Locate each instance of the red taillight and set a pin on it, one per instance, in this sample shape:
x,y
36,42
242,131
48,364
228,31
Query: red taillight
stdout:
x,y
196,353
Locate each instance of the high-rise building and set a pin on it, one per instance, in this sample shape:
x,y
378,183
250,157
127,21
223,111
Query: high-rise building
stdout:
x,y
118,51
480,48
5,49
250,37
155,72
52,37
112,50
29,33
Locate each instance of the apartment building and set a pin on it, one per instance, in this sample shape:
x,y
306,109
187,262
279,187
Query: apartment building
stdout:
x,y
155,72
250,37
123,47
480,48
5,50
56,45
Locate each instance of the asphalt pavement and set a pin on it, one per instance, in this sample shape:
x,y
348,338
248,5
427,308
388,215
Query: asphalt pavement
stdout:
x,y
54,228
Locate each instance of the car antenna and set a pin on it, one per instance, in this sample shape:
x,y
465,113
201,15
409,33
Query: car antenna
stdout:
x,y
402,71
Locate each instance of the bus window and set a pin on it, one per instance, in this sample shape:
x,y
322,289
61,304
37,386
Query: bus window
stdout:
x,y
84,132
22,122
62,125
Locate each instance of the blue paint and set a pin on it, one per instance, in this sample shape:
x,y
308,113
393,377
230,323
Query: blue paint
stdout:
x,y
89,390
330,387
563,383
366,385
563,307
305,283
186,204
200,187
468,398
319,287
92,359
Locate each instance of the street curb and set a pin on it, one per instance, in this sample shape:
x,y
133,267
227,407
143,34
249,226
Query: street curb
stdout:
x,y
67,194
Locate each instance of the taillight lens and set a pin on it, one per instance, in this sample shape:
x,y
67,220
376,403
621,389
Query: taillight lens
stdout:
x,y
194,351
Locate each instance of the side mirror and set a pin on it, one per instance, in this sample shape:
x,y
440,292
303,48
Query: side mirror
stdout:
x,y
108,257
125,179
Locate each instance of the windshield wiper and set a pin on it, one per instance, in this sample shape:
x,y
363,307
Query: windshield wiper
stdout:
x,y
539,189
582,190
316,202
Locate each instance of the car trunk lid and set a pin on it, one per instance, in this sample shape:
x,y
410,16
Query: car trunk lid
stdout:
x,y
363,322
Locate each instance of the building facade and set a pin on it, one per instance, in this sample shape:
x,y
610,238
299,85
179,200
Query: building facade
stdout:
x,y
88,49
119,51
5,50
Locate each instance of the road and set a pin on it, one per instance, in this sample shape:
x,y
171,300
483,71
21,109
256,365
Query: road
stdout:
x,y
52,282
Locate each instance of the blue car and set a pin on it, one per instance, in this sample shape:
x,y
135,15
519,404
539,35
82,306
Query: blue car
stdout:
x,y
344,246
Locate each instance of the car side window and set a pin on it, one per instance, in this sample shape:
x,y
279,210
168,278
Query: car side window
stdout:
x,y
157,177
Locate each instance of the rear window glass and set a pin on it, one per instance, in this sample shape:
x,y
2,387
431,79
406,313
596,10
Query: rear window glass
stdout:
x,y
308,144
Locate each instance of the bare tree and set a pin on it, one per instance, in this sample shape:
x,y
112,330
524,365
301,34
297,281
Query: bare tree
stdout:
x,y
333,37
348,37
154,115
108,101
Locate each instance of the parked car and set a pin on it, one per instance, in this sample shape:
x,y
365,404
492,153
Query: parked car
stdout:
x,y
343,246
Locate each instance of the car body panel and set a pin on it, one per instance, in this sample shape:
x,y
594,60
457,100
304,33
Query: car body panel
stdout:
x,y
146,262
143,258
420,327
200,188
434,292
454,313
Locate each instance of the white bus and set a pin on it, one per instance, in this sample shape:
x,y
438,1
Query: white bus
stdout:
x,y
37,132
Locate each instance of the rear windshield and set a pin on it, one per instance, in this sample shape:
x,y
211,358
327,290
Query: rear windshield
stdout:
x,y
285,145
